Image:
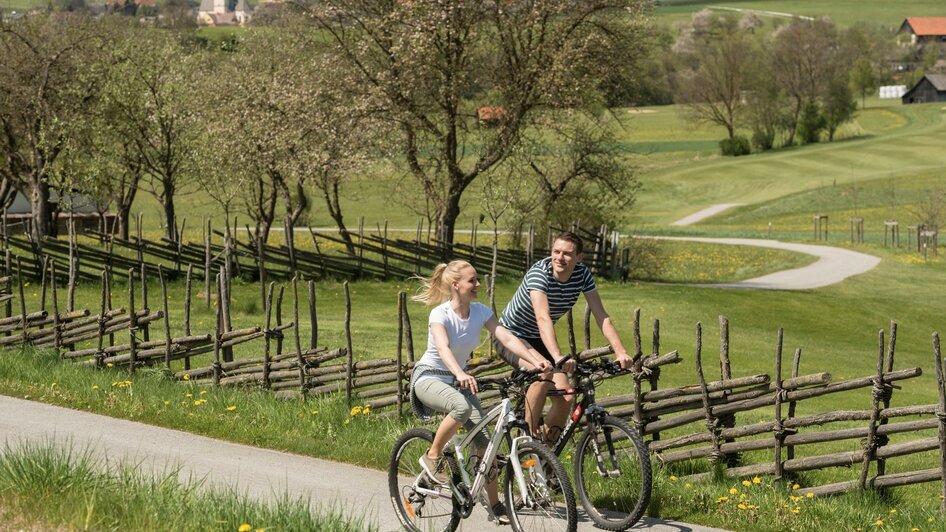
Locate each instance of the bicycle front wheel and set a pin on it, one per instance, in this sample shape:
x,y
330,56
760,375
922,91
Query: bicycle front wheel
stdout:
x,y
547,502
612,474
421,504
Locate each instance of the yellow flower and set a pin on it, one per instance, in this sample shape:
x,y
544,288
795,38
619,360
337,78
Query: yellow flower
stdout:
x,y
795,486
53,385
314,412
688,485
929,520
796,511
203,392
673,478
109,365
188,395
914,529
733,491
167,403
231,408
196,403
879,522
245,527
347,421
746,483
893,510
756,480
356,410
187,376
95,386
809,495
741,506
366,411
722,499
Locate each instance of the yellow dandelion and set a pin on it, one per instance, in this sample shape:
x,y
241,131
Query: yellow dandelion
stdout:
x,y
231,408
756,480
673,478
929,520
722,499
879,522
809,495
203,392
746,483
795,486
314,412
53,385
688,485
95,386
356,410
347,421
196,403
109,365
914,529
893,510
187,376
733,491
245,527
188,395
366,411
742,506
796,511
167,403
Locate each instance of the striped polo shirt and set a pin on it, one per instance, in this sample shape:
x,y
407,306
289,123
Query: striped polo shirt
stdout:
x,y
519,316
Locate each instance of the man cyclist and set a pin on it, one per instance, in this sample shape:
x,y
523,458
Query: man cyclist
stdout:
x,y
548,291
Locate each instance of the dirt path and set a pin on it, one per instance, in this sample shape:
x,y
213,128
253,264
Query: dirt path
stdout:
x,y
262,473
833,265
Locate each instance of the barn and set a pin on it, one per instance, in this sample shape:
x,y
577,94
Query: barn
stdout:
x,y
931,88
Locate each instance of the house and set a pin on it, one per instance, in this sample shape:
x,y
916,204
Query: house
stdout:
x,y
923,30
219,13
932,88
490,116
74,206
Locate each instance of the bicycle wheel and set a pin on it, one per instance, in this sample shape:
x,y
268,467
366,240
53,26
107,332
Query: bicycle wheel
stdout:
x,y
612,474
421,505
548,502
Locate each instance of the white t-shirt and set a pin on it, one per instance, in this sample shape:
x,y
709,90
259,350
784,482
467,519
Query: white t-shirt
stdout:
x,y
463,336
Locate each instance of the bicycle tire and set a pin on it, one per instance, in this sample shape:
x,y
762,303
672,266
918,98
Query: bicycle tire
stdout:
x,y
413,509
613,503
552,500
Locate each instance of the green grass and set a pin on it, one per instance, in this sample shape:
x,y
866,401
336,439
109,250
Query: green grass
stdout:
x,y
51,486
711,263
836,327
843,12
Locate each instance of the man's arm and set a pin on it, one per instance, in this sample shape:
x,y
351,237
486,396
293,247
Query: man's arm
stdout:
x,y
543,318
607,328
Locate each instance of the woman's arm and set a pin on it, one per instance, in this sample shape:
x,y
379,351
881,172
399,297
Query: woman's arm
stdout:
x,y
514,344
442,342
607,328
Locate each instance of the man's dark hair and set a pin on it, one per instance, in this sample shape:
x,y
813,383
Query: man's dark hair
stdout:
x,y
568,236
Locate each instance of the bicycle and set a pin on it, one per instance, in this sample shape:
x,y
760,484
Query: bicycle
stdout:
x,y
612,466
538,493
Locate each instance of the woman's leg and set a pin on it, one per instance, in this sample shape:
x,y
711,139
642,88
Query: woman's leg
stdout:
x,y
443,397
561,407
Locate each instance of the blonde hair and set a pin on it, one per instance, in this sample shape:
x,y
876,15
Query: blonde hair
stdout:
x,y
436,288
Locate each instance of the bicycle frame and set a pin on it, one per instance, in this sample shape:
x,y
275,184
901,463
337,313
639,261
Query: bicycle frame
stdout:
x,y
504,416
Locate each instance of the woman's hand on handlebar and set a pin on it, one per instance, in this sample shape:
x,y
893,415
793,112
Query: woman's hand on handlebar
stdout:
x,y
465,380
544,368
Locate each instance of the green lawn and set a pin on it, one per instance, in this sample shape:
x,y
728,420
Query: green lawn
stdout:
x,y
843,12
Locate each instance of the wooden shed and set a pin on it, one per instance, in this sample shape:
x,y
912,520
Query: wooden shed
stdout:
x,y
932,88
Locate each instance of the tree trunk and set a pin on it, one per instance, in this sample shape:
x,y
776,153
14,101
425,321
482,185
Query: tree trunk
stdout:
x,y
39,201
170,218
124,213
335,211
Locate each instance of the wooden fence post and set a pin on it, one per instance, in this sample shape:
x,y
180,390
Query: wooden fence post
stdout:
x,y
207,236
268,334
279,336
8,267
167,318
99,352
712,424
879,390
888,395
146,332
19,280
400,353
796,361
108,296
351,364
57,332
941,413
295,316
778,429
587,327
217,368
572,346
313,317
133,323
261,263
408,333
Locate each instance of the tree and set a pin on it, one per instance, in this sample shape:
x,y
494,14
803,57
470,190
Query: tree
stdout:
x,y
715,88
40,95
862,79
151,100
838,103
427,65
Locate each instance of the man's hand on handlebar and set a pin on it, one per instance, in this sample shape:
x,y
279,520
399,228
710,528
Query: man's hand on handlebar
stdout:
x,y
566,364
624,360
465,380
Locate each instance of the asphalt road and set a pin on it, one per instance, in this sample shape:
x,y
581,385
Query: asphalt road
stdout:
x,y
261,473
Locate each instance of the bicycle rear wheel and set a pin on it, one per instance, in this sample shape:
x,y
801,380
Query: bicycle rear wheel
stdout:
x,y
612,474
548,502
421,505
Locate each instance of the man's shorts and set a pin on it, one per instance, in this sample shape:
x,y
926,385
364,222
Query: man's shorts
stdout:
x,y
513,360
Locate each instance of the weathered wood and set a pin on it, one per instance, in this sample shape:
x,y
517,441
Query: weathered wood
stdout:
x,y
218,329
132,323
348,381
714,386
891,348
790,451
941,415
871,444
779,431
57,333
267,361
295,330
400,348
167,319
313,315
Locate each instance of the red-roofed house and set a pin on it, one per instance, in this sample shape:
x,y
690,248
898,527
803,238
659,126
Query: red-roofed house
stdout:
x,y
924,29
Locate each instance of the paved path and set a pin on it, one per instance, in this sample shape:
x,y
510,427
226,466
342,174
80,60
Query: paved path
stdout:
x,y
833,265
705,213
261,473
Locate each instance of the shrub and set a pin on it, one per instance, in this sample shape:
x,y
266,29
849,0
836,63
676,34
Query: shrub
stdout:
x,y
735,146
